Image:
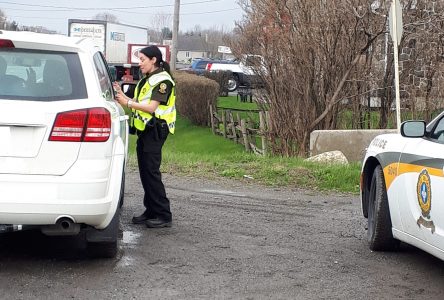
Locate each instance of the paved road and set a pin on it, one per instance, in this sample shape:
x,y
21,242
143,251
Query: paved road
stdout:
x,y
229,241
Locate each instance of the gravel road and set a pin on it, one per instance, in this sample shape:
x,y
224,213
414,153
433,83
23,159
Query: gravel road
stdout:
x,y
229,240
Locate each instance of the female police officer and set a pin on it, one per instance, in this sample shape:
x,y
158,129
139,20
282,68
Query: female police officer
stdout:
x,y
153,116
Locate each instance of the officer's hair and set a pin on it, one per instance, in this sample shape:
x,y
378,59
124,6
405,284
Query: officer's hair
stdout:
x,y
154,51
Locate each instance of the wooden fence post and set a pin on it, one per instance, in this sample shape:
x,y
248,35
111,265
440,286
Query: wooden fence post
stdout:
x,y
224,122
213,129
238,127
245,135
262,130
233,127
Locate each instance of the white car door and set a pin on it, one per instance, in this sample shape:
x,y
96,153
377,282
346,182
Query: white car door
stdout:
x,y
421,164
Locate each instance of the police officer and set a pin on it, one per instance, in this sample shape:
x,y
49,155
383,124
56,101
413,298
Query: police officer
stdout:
x,y
153,117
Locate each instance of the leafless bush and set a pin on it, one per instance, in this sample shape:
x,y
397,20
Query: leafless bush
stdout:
x,y
311,50
323,56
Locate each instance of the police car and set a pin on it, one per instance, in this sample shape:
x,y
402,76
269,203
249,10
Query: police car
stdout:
x,y
402,187
63,140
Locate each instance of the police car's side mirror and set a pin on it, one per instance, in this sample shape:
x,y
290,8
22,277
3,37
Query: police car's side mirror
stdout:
x,y
413,129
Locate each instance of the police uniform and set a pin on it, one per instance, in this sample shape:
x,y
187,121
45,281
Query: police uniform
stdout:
x,y
152,131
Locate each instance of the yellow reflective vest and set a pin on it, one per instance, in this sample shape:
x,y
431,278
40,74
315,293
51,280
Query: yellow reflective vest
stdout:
x,y
165,112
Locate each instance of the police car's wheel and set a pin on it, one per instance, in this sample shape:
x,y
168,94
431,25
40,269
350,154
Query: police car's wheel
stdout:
x,y
379,233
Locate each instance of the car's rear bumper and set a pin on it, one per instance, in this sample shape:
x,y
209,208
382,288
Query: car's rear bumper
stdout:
x,y
89,198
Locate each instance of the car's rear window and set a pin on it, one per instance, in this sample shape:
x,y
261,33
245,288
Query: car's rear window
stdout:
x,y
40,75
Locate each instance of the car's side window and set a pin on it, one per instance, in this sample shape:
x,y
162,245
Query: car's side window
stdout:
x,y
438,132
103,76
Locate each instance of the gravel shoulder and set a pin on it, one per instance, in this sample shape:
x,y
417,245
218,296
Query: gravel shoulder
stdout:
x,y
229,240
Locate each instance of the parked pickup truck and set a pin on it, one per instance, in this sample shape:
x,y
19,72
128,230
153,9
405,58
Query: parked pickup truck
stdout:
x,y
199,66
243,73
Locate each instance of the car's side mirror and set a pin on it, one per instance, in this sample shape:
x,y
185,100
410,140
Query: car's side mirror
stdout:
x,y
413,129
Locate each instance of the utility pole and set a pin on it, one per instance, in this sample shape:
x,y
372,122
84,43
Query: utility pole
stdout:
x,y
175,34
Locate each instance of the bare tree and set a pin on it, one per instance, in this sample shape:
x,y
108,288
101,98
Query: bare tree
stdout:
x,y
159,22
421,56
2,20
322,56
105,16
311,50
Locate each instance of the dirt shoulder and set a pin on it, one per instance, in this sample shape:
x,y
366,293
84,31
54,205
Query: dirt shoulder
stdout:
x,y
229,240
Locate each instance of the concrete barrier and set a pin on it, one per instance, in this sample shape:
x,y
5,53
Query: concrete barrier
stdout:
x,y
350,142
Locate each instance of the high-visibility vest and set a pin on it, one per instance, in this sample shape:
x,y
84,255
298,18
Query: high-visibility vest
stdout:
x,y
165,112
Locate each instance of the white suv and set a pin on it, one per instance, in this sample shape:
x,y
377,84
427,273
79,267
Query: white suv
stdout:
x,y
63,140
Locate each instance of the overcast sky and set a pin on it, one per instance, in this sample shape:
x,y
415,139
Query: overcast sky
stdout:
x,y
54,14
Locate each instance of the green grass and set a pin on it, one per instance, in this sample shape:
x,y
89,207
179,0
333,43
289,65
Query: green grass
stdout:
x,y
247,111
232,102
195,151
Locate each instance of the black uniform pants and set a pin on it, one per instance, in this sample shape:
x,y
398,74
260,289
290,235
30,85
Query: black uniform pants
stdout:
x,y
149,157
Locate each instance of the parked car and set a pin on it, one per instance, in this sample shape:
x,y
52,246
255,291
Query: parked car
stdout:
x,y
64,140
402,182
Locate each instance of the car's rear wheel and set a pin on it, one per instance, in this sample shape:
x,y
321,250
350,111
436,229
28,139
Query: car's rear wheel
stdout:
x,y
380,236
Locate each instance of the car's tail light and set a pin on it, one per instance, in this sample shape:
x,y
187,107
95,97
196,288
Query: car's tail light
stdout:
x,y
86,125
209,65
6,44
98,127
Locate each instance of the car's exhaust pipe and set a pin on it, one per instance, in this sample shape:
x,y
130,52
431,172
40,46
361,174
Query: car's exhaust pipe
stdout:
x,y
63,226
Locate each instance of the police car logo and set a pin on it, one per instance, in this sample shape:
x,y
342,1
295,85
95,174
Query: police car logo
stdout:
x,y
143,90
424,195
162,88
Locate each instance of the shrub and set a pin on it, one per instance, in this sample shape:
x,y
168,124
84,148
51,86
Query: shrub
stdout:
x,y
194,95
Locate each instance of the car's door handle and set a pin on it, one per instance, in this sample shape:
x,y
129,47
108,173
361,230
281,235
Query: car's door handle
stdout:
x,y
123,118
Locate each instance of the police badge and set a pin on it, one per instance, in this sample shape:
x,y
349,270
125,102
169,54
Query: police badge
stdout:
x,y
424,196
162,88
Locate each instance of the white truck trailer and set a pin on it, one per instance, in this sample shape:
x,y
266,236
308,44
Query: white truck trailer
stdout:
x,y
118,42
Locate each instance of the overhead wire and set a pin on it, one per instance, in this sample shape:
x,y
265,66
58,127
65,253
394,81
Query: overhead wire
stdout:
x,y
136,9
101,8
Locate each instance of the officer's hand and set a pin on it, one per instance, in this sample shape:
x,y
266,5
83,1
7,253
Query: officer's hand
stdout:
x,y
120,97
117,87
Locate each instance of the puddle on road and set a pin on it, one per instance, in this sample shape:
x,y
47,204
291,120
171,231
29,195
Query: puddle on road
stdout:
x,y
129,240
130,237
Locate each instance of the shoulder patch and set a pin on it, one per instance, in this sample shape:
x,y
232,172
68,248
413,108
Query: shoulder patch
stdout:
x,y
162,88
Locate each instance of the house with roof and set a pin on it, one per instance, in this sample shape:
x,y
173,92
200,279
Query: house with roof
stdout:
x,y
190,47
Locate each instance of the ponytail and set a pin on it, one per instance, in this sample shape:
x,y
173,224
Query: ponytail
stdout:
x,y
166,67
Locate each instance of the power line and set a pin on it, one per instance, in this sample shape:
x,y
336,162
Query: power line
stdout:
x,y
101,8
182,14
185,14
